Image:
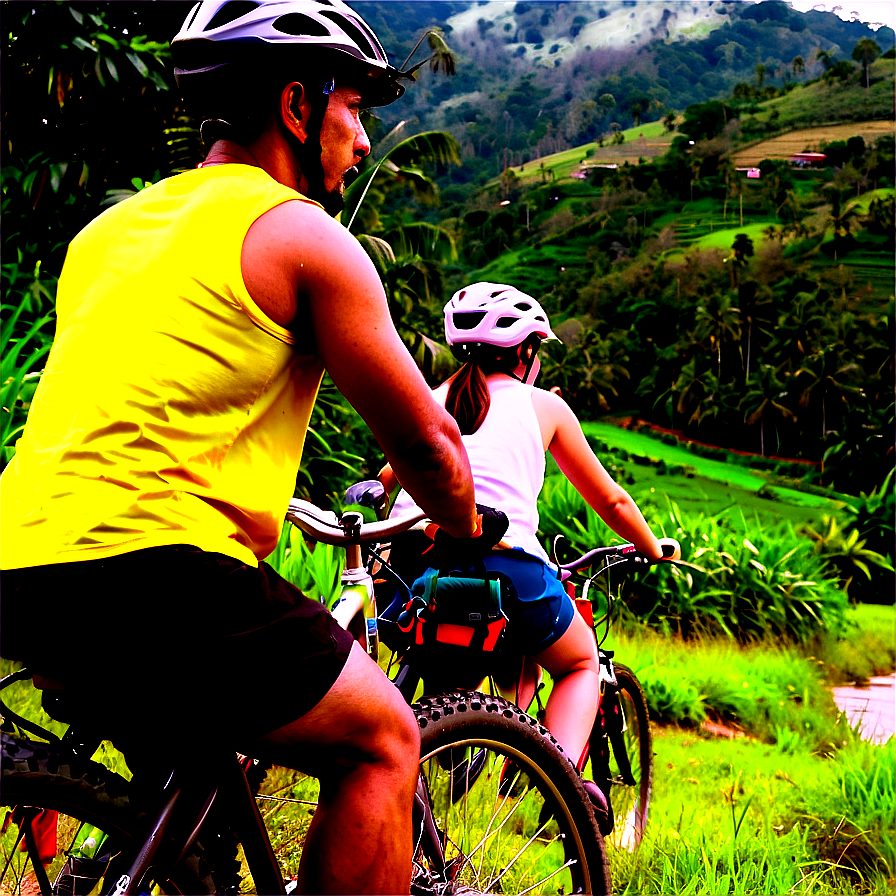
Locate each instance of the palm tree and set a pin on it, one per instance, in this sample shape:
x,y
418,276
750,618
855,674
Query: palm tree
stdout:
x,y
798,65
761,72
763,401
400,166
799,330
697,393
741,252
823,376
865,52
717,323
825,57
408,258
841,217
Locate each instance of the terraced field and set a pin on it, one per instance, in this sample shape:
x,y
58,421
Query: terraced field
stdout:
x,y
810,140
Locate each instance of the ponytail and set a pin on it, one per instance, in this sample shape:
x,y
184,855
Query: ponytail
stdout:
x,y
468,398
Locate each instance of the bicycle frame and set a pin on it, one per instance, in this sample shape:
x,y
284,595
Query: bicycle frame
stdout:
x,y
357,599
186,801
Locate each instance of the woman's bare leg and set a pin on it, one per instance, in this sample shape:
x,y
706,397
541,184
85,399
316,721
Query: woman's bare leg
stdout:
x,y
572,707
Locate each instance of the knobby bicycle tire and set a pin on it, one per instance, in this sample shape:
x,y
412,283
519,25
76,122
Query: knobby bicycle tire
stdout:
x,y
510,808
82,792
629,799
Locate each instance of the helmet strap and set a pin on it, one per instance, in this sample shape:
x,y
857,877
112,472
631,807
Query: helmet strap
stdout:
x,y
309,154
528,354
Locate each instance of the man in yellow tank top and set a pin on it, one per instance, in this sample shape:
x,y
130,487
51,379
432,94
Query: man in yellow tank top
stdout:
x,y
195,321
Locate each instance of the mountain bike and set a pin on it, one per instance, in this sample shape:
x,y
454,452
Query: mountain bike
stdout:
x,y
176,826
619,755
620,749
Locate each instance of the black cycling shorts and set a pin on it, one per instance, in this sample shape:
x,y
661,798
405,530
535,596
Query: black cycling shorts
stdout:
x,y
175,640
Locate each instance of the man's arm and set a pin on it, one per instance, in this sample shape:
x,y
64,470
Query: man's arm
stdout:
x,y
305,270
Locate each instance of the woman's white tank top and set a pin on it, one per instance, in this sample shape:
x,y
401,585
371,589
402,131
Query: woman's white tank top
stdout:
x,y
507,459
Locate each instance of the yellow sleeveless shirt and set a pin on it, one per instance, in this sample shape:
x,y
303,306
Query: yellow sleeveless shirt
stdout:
x,y
172,410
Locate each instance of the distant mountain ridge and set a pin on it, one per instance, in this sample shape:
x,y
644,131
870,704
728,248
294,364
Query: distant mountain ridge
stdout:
x,y
650,56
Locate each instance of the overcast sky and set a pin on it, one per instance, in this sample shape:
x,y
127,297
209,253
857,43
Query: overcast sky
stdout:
x,y
869,11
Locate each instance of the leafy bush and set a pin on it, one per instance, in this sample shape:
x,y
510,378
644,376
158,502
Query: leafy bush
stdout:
x,y
314,569
774,693
770,583
25,339
845,554
874,516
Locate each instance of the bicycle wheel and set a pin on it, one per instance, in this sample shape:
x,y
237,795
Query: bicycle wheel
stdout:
x,y
510,808
35,856
625,756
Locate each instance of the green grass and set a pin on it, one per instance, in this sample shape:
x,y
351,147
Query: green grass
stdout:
x,y
536,267
743,817
791,802
798,805
817,103
713,486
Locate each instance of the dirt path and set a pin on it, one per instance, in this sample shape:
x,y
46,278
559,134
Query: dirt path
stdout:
x,y
871,708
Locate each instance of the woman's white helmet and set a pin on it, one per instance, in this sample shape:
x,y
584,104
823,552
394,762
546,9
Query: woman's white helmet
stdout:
x,y
494,314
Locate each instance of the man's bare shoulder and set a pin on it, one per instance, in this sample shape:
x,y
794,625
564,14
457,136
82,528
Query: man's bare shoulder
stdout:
x,y
296,249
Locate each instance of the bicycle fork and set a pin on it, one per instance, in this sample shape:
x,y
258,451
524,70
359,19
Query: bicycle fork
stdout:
x,y
614,721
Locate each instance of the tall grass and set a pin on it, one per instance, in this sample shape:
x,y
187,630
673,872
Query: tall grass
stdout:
x,y
740,579
770,691
741,817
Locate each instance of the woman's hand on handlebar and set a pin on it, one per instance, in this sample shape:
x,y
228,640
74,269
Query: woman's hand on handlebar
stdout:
x,y
671,549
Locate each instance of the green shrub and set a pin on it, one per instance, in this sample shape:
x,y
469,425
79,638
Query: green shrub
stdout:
x,y
771,692
770,583
25,339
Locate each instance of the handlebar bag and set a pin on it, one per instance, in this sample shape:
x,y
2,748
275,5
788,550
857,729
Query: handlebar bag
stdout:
x,y
453,609
451,627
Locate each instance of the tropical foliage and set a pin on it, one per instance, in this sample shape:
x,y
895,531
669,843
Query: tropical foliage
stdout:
x,y
742,580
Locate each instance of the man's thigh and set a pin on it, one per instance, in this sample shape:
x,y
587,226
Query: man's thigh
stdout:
x,y
362,719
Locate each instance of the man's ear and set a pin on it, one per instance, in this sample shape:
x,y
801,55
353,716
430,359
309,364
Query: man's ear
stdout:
x,y
295,109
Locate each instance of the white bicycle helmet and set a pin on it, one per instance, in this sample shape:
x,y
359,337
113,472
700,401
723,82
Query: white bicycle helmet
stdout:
x,y
328,25
494,314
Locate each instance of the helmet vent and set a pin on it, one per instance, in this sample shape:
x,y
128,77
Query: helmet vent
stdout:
x,y
231,11
298,24
467,320
352,29
504,322
523,306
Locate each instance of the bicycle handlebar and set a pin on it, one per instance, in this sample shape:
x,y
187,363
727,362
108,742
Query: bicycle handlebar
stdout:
x,y
617,553
327,527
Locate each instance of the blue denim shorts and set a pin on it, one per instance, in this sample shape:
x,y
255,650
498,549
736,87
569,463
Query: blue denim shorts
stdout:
x,y
542,611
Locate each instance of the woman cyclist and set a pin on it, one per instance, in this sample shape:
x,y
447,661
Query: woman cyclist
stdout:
x,y
507,426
